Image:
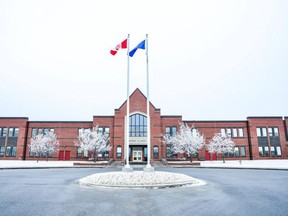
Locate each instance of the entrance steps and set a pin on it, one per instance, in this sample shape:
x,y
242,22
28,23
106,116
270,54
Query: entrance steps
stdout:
x,y
137,164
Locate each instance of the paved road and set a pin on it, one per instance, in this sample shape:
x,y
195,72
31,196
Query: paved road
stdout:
x,y
227,192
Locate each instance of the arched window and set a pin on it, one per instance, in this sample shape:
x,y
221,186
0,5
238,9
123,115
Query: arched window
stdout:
x,y
119,152
155,151
138,125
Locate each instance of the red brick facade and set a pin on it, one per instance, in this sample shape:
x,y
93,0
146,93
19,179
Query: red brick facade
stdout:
x,y
249,135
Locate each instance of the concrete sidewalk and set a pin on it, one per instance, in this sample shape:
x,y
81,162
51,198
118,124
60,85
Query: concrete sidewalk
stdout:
x,y
248,164
243,164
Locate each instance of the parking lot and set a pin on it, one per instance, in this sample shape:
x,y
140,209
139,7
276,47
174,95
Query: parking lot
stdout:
x,y
227,192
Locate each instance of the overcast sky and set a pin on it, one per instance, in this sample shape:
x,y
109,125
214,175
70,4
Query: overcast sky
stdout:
x,y
208,60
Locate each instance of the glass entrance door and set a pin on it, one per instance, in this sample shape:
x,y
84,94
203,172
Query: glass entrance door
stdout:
x,y
137,154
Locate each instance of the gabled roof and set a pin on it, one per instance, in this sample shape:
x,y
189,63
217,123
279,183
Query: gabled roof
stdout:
x,y
134,92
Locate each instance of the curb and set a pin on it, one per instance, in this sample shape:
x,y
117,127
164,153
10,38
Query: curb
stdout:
x,y
172,166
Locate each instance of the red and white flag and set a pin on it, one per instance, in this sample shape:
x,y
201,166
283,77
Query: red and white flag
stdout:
x,y
122,45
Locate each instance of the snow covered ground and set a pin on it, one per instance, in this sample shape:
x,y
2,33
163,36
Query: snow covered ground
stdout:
x,y
267,164
140,179
32,164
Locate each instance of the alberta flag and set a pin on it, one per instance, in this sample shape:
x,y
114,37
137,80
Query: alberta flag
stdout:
x,y
122,45
139,46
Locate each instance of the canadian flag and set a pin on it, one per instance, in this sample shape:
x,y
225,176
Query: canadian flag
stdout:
x,y
122,45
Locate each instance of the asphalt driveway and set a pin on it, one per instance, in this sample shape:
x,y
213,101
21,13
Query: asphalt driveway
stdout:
x,y
227,192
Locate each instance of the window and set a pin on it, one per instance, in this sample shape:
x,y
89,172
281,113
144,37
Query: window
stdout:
x,y
155,152
40,131
46,130
223,132
266,151
85,153
260,149
44,154
13,132
236,152
241,132
3,132
229,132
137,125
278,151
103,154
235,134
243,151
261,132
8,151
31,153
10,134
171,131
11,151
275,151
34,132
169,152
1,151
104,130
273,131
263,150
16,132
145,152
119,151
79,152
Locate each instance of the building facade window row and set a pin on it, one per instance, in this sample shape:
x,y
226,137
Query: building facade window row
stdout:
x,y
233,132
40,131
239,151
266,151
272,131
12,131
8,147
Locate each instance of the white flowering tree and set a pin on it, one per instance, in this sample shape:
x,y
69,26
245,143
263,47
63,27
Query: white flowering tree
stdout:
x,y
93,141
44,144
221,144
187,140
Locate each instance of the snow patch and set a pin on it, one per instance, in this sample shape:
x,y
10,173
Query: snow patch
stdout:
x,y
140,179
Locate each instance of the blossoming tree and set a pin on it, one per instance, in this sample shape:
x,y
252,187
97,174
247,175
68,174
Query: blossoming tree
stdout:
x,y
44,144
221,144
187,140
93,141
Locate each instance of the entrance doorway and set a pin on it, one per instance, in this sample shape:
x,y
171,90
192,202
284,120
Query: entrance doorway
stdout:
x,y
61,155
209,156
67,155
137,154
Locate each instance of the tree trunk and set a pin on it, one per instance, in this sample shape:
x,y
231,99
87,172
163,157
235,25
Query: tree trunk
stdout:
x,y
95,153
223,158
191,158
46,156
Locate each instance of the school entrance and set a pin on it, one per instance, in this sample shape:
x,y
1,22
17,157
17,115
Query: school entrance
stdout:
x,y
139,154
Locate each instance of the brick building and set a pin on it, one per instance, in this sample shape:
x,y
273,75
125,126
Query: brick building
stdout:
x,y
255,138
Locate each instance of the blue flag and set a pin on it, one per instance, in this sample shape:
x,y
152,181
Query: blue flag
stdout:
x,y
139,46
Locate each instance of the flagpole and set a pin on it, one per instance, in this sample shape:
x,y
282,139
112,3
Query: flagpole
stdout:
x,y
127,167
128,104
148,166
